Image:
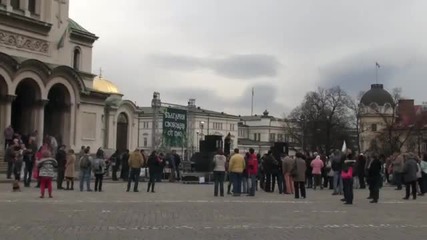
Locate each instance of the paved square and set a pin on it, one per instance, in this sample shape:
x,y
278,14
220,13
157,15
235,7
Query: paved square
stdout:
x,y
178,211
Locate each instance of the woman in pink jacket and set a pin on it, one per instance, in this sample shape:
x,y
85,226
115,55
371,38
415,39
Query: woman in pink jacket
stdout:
x,y
347,179
317,165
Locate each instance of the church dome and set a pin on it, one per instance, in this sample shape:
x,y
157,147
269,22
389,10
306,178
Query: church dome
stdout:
x,y
103,85
377,94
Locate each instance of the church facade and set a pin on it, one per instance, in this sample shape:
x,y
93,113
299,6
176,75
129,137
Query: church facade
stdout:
x,y
46,80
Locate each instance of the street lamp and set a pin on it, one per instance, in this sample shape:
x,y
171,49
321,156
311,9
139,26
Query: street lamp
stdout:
x,y
202,125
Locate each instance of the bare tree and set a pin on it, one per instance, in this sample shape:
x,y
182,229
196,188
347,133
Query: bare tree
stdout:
x,y
395,133
321,121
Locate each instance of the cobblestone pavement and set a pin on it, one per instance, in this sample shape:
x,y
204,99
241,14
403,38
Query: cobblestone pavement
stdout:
x,y
178,211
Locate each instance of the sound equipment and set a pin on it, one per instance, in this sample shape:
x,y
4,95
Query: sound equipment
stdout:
x,y
208,148
280,148
213,142
203,161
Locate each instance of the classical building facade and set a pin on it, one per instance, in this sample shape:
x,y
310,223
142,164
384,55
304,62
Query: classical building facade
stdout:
x,y
46,80
200,122
261,131
391,125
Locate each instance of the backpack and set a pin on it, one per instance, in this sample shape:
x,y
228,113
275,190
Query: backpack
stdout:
x,y
96,167
85,162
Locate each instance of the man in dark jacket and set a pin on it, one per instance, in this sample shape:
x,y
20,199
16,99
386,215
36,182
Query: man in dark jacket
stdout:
x,y
374,178
61,158
337,163
177,160
124,174
361,163
270,166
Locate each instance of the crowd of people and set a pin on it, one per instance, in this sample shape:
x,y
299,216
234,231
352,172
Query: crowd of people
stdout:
x,y
341,172
52,161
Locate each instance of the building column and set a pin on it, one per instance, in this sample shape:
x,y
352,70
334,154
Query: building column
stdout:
x,y
24,7
8,111
40,129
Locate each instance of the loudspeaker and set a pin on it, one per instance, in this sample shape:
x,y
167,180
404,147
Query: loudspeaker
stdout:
x,y
213,142
203,161
280,148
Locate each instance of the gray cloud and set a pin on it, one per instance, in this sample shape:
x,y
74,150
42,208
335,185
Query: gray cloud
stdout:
x,y
245,66
207,44
264,99
398,68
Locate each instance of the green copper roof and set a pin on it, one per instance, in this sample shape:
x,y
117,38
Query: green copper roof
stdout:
x,y
74,26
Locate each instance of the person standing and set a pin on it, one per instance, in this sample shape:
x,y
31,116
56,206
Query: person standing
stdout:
x,y
410,168
288,163
172,167
347,179
124,174
115,162
236,167
61,158
252,171
70,169
29,159
154,168
361,164
135,163
299,170
85,170
317,165
423,166
374,178
177,159
219,161
337,167
397,165
10,156
8,136
98,168
46,167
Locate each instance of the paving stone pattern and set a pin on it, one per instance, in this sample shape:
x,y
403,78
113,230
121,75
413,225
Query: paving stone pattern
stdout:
x,y
179,211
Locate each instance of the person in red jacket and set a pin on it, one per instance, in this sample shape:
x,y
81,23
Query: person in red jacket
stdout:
x,y
252,169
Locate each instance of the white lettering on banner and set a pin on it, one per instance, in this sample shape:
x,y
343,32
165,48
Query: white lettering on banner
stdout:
x,y
175,116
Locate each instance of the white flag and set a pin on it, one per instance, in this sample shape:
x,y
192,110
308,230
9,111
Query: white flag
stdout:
x,y
344,147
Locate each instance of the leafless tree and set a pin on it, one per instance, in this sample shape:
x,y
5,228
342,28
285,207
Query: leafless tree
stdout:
x,y
321,121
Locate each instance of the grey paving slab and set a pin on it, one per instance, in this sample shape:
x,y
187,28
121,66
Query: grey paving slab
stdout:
x,y
178,211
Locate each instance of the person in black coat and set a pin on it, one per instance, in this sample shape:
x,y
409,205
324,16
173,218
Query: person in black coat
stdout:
x,y
61,158
374,178
124,174
361,164
155,168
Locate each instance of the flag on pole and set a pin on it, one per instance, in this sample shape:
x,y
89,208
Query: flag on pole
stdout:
x,y
253,92
344,147
377,64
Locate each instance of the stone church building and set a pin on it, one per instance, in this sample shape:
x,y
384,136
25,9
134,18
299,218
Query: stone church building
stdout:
x,y
46,80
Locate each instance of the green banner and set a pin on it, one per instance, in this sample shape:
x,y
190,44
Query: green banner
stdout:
x,y
174,127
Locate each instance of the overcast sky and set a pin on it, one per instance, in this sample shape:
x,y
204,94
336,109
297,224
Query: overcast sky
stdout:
x,y
218,50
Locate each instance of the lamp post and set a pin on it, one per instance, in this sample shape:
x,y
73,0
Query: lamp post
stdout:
x,y
156,103
202,125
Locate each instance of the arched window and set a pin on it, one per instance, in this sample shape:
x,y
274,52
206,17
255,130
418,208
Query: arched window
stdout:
x,y
76,58
374,107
